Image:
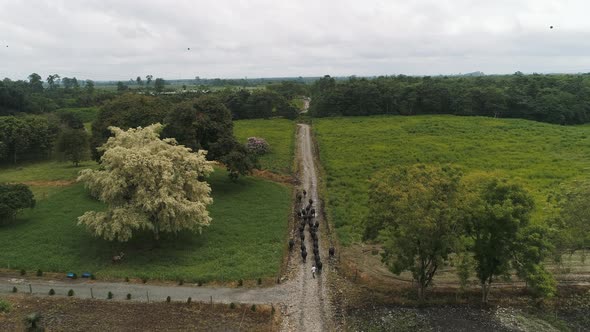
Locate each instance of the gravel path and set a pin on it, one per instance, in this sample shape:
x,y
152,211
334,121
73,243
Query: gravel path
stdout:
x,y
304,300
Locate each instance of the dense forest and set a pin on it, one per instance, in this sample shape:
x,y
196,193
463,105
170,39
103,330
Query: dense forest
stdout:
x,y
559,99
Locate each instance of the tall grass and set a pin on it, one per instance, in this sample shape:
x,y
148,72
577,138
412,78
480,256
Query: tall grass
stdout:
x,y
542,156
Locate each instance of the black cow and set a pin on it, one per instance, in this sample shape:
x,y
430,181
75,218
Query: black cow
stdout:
x,y
302,236
310,202
304,192
318,264
331,251
304,255
291,244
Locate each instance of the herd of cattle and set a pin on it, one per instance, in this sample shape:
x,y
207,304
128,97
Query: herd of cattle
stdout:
x,y
307,217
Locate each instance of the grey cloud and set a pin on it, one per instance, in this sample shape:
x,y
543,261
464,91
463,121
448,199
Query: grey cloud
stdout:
x,y
113,39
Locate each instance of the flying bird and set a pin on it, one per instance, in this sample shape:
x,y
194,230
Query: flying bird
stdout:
x,y
550,27
188,48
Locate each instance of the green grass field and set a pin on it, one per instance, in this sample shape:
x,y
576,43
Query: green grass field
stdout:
x,y
352,149
280,135
245,240
86,114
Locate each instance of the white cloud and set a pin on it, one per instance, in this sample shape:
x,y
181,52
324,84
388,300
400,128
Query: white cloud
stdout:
x,y
115,39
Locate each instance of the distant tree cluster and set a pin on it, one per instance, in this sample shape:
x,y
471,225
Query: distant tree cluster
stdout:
x,y
37,97
26,137
203,123
258,104
559,99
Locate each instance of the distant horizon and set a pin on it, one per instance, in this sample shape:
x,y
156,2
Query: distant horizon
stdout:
x,y
81,79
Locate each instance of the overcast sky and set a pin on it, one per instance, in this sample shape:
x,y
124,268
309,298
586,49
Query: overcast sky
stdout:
x,y
121,39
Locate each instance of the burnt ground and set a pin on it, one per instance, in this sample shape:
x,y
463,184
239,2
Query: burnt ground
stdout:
x,y
74,314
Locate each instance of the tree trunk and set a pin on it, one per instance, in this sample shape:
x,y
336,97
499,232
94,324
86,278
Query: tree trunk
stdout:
x,y
156,236
485,291
421,292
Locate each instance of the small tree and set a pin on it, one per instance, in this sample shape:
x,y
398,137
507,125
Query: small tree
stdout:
x,y
147,183
496,211
32,322
14,197
573,218
159,84
73,143
414,211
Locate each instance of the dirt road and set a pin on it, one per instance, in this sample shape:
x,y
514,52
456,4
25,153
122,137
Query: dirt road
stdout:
x,y
309,308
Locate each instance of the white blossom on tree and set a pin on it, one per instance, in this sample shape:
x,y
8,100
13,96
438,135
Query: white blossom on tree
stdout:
x,y
147,183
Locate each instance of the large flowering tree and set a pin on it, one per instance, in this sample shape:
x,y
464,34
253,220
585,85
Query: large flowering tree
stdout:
x,y
147,183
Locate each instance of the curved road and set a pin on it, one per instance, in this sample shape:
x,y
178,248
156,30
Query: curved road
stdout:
x,y
304,299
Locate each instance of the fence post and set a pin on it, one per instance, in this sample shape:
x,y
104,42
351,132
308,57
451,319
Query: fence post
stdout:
x,y
147,295
91,293
211,299
30,289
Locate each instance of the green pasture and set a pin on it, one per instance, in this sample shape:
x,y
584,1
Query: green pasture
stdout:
x,y
280,135
245,240
352,149
86,114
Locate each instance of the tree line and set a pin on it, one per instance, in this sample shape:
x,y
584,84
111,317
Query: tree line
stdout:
x,y
559,99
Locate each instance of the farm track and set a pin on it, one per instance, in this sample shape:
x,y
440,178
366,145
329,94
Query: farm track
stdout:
x,y
309,307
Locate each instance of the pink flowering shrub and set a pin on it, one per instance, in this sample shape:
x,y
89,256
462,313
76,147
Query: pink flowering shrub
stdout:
x,y
257,145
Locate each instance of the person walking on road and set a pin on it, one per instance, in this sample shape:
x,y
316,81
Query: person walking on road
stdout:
x,y
313,268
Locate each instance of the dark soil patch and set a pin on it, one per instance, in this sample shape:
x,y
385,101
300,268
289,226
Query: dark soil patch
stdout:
x,y
71,314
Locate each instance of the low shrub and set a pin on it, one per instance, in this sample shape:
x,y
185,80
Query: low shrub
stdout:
x,y
51,292
39,273
126,279
128,296
200,283
23,272
180,282
240,283
257,145
5,306
232,305
14,289
253,308
71,292
189,300
259,281
92,277
144,279
110,295
168,299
